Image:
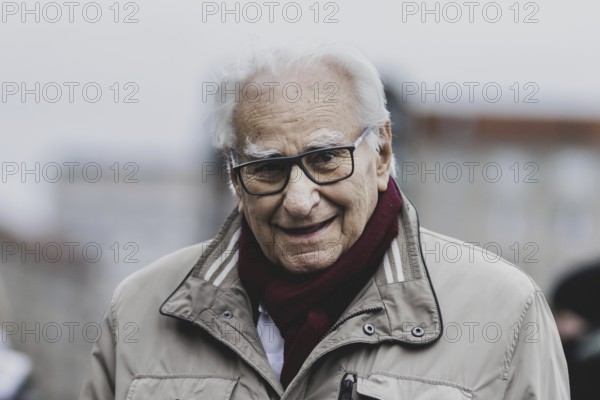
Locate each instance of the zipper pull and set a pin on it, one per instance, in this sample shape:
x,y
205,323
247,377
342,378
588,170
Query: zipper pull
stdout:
x,y
347,386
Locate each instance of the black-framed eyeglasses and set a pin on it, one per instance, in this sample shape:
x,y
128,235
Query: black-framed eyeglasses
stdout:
x,y
322,166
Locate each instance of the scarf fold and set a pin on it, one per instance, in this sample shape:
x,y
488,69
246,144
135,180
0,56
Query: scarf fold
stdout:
x,y
305,306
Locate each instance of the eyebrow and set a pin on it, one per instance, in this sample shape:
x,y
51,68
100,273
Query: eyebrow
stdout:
x,y
254,151
327,139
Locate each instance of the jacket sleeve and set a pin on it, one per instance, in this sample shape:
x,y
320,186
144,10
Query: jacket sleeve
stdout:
x,y
535,367
99,382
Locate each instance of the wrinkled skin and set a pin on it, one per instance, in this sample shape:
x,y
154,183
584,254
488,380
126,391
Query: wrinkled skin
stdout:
x,y
274,122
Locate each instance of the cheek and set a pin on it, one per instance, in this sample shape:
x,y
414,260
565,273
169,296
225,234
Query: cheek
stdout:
x,y
258,212
366,183
357,203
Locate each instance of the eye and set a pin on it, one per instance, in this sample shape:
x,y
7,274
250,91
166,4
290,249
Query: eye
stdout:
x,y
327,156
266,168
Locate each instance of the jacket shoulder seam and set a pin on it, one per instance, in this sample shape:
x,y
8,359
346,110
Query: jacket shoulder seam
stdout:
x,y
508,357
113,319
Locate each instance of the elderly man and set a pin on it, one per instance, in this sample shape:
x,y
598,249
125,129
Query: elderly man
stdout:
x,y
318,285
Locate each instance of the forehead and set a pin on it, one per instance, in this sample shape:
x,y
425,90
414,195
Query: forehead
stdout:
x,y
295,107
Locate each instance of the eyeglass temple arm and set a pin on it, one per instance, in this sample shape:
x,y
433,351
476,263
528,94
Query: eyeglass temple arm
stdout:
x,y
232,159
364,135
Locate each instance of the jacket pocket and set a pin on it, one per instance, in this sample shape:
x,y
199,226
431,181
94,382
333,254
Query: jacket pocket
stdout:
x,y
181,388
397,387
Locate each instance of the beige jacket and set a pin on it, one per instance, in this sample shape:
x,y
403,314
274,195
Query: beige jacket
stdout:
x,y
440,320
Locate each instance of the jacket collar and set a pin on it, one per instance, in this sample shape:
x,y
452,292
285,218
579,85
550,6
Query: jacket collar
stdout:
x,y
399,299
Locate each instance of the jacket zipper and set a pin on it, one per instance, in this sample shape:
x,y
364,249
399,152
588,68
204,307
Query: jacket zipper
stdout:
x,y
347,386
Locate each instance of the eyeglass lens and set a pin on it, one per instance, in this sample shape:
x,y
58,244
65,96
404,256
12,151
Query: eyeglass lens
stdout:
x,y
324,166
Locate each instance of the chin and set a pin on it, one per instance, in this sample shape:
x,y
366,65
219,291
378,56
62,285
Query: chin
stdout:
x,y
308,262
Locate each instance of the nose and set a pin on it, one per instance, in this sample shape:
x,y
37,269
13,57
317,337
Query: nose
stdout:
x,y
301,194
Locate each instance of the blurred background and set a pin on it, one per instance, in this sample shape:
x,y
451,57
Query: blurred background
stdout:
x,y
107,165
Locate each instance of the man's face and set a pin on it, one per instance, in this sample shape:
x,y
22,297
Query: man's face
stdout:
x,y
307,227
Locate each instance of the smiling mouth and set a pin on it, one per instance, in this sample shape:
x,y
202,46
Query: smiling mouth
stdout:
x,y
306,230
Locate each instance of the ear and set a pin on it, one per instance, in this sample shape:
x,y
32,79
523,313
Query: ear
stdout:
x,y
384,159
238,191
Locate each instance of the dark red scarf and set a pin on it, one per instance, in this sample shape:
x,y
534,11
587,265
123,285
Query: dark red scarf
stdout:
x,y
305,306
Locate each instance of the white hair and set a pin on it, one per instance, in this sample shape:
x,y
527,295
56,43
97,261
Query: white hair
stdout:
x,y
365,84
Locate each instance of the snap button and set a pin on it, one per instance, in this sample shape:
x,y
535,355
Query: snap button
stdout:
x,y
369,329
228,314
417,331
